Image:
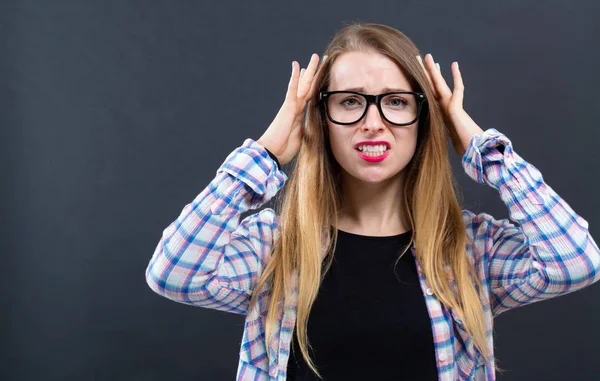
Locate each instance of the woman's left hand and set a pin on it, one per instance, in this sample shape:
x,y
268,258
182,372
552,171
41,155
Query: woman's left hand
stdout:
x,y
459,124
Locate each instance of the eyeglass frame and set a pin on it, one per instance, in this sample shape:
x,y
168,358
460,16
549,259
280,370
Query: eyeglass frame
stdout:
x,y
323,95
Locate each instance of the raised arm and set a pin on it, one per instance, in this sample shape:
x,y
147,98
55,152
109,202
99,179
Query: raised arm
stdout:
x,y
548,252
207,257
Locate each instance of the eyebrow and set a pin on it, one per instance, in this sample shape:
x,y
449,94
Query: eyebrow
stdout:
x,y
384,90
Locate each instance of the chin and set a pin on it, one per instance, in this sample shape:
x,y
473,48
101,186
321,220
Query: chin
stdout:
x,y
373,175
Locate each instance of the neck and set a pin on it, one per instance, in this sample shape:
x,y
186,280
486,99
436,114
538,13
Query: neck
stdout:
x,y
374,209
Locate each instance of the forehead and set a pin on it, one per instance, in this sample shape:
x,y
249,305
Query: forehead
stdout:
x,y
371,71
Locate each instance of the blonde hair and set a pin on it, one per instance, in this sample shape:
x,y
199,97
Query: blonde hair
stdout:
x,y
311,201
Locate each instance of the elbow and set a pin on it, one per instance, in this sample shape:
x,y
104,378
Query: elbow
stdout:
x,y
580,269
155,281
169,284
587,256
592,261
588,267
163,279
205,291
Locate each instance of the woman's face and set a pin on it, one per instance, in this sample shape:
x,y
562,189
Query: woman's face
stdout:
x,y
370,73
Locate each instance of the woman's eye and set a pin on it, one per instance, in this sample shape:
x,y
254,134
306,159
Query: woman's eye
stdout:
x,y
398,102
350,102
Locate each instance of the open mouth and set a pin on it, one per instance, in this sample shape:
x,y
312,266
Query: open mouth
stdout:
x,y
373,153
373,156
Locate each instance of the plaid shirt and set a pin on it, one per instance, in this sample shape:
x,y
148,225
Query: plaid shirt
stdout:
x,y
209,258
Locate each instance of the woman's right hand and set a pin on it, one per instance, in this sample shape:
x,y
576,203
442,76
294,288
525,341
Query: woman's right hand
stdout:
x,y
284,135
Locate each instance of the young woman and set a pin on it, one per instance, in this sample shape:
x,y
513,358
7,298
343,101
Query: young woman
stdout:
x,y
372,182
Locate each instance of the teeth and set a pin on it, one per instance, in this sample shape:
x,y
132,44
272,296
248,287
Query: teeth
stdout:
x,y
379,149
373,153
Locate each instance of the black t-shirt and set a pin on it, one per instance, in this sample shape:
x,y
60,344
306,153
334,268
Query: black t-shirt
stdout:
x,y
367,323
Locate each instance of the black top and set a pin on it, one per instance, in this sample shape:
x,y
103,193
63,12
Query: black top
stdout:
x,y
365,323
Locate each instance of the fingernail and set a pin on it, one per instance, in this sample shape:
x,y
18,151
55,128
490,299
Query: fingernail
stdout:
x,y
431,55
438,65
324,58
420,59
457,64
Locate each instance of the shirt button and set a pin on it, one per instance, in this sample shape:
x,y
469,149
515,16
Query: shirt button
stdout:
x,y
429,292
443,356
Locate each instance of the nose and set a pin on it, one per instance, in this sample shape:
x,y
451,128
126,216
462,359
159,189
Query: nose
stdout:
x,y
373,119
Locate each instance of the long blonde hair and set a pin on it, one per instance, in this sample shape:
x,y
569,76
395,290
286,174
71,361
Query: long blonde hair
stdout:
x,y
312,198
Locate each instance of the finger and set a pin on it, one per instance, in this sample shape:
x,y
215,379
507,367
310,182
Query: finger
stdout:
x,y
459,88
293,84
436,75
308,75
425,70
313,84
428,76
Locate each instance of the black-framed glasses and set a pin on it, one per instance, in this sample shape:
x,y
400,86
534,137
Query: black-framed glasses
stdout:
x,y
400,108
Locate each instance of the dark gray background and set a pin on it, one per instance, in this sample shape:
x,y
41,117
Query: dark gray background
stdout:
x,y
115,114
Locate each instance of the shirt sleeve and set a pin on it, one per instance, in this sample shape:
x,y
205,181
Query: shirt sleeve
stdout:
x,y
207,257
548,252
